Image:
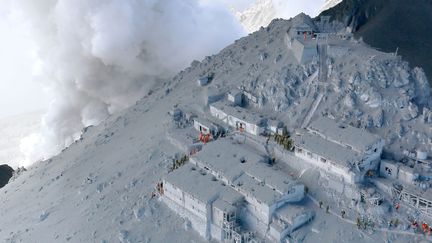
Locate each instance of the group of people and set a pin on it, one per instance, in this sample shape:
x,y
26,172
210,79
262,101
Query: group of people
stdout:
x,y
424,227
364,223
327,207
205,138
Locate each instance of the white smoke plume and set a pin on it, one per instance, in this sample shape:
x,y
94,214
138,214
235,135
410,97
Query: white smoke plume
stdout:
x,y
99,56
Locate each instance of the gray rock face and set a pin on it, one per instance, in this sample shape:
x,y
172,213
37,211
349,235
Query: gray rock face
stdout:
x,y
6,173
427,116
373,20
378,118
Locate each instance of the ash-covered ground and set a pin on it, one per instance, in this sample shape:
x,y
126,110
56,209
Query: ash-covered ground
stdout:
x,y
99,189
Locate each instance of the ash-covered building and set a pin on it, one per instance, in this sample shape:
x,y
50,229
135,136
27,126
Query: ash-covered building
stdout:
x,y
301,40
229,193
239,117
339,149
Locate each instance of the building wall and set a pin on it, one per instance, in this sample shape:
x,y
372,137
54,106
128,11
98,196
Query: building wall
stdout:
x,y
232,121
309,53
204,129
260,210
219,114
389,169
295,194
248,127
199,213
303,53
217,216
275,232
216,232
298,31
191,204
250,221
173,193
195,206
328,166
198,224
406,175
297,48
236,98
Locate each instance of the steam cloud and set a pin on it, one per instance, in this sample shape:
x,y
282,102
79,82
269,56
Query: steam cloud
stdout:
x,y
100,56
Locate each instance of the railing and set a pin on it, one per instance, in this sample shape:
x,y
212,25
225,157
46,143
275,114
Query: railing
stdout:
x,y
422,204
229,224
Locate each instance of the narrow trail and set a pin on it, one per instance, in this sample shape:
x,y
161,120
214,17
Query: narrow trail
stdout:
x,y
315,201
312,110
321,73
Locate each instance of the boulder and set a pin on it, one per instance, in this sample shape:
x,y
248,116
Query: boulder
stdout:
x,y
378,118
6,173
413,110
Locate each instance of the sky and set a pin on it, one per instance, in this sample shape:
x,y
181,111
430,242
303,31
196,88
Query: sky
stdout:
x,y
19,92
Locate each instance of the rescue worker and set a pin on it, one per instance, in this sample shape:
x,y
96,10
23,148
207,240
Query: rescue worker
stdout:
x,y
320,204
414,225
343,214
425,228
328,209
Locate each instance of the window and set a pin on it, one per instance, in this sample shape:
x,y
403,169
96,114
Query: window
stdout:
x,y
323,160
388,170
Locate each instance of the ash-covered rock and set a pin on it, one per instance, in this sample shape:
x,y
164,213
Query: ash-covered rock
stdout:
x,y
6,173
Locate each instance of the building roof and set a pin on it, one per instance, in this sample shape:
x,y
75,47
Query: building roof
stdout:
x,y
201,185
260,191
204,122
358,139
324,148
252,177
289,213
274,123
239,112
224,205
271,177
225,156
235,91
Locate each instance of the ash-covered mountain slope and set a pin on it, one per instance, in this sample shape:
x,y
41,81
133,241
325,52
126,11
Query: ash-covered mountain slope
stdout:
x,y
391,24
99,189
364,87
